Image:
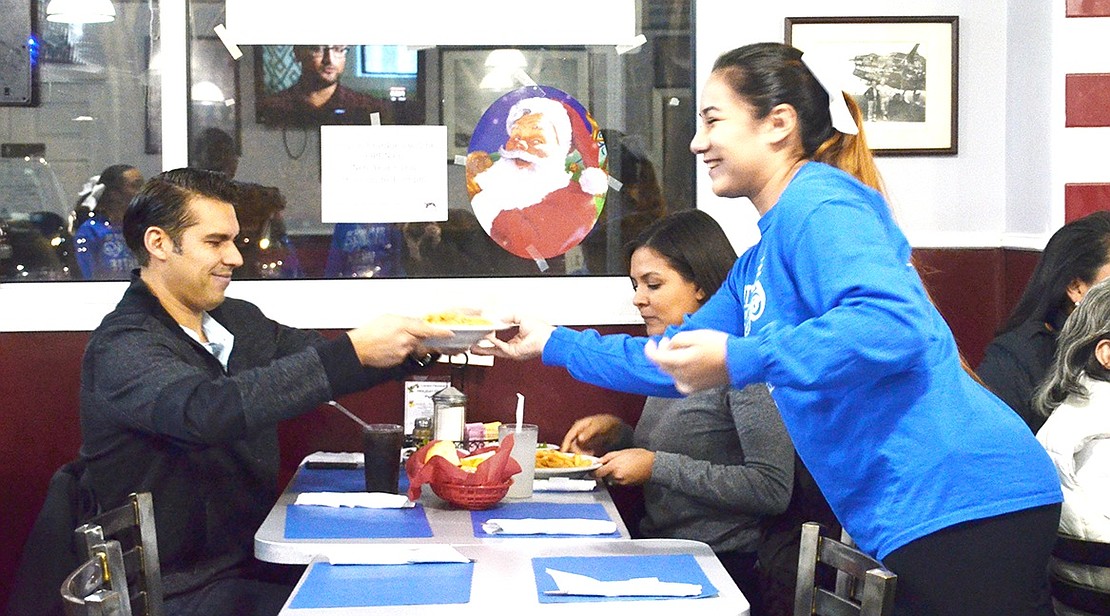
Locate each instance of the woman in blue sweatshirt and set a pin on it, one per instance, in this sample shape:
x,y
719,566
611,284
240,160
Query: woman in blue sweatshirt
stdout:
x,y
926,469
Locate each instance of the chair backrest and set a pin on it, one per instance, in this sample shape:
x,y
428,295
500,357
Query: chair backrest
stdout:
x,y
98,587
863,585
1076,564
132,525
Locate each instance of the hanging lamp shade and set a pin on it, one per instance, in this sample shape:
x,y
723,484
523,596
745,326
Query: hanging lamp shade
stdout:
x,y
80,11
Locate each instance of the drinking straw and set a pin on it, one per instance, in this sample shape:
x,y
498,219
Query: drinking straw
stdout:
x,y
359,420
519,410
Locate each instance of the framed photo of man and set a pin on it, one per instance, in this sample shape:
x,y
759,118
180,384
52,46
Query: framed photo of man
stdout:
x,y
902,72
473,78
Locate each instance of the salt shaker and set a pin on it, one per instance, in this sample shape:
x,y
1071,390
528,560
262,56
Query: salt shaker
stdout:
x,y
449,415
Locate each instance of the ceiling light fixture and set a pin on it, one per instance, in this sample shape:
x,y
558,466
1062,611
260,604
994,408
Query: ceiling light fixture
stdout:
x,y
80,11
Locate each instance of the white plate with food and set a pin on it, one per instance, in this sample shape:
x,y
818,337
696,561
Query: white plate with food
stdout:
x,y
468,330
553,463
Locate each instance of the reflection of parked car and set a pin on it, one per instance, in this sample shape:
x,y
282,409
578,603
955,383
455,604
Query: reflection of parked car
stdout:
x,y
34,241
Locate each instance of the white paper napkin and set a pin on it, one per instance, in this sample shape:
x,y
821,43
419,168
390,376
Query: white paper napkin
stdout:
x,y
563,484
584,585
370,500
556,526
335,457
392,554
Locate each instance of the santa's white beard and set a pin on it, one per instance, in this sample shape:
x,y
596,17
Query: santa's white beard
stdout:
x,y
505,186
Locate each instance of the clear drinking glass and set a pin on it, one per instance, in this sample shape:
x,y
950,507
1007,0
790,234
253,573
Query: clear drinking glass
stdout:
x,y
524,452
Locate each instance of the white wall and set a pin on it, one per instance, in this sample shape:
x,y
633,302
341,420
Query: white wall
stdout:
x,y
941,201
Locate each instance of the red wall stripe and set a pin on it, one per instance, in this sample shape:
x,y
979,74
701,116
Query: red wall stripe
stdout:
x,y
1088,8
1083,199
1087,99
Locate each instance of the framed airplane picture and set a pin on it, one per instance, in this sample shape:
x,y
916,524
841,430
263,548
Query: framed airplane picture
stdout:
x,y
902,72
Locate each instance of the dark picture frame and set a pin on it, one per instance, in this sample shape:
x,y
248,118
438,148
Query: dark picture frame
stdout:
x,y
904,74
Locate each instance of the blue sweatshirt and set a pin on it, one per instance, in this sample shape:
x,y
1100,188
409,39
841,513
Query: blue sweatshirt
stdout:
x,y
828,311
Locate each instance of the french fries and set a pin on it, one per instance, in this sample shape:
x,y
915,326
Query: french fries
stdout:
x,y
550,458
456,318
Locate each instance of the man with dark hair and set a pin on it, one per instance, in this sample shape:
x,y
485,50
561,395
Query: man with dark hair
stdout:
x,y
317,97
182,390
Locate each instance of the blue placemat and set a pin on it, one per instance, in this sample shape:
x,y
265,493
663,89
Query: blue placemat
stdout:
x,y
520,511
335,480
369,585
314,522
667,567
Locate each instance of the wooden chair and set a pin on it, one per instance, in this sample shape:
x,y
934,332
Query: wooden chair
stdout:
x,y
132,526
863,585
1075,561
99,586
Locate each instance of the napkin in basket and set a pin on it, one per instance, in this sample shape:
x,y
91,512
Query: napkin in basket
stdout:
x,y
549,526
584,585
370,500
495,470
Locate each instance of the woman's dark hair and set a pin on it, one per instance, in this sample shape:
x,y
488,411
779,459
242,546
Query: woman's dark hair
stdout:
x,y
1075,252
770,74
163,202
693,244
1075,351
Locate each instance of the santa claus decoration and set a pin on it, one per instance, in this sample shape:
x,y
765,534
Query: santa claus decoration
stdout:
x,y
541,192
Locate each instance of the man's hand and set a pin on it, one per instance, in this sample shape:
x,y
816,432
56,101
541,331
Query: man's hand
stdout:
x,y
696,359
592,435
528,343
627,467
389,339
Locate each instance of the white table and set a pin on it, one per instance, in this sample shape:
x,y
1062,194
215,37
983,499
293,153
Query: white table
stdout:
x,y
503,582
448,523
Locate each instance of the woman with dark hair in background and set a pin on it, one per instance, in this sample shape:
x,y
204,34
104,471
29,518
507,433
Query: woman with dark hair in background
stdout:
x,y
99,247
1076,257
713,465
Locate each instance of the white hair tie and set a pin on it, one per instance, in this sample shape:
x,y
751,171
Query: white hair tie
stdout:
x,y
829,76
91,192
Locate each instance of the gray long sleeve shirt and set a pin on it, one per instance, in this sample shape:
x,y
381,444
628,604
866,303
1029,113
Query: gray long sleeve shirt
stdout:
x,y
723,461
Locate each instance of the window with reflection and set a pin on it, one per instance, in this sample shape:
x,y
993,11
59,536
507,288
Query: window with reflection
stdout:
x,y
79,139
555,156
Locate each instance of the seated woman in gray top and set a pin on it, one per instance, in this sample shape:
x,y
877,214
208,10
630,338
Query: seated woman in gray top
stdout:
x,y
713,465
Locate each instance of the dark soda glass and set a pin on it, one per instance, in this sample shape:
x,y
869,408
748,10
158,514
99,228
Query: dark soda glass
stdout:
x,y
381,444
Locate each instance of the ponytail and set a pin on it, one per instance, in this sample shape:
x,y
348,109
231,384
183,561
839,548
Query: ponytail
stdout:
x,y
850,153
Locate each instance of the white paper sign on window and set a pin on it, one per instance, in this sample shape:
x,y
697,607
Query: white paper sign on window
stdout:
x,y
431,22
383,174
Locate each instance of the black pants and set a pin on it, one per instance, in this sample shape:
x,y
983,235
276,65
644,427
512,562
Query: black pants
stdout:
x,y
258,590
741,567
991,567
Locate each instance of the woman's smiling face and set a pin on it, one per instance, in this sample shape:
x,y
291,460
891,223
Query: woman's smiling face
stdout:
x,y
730,141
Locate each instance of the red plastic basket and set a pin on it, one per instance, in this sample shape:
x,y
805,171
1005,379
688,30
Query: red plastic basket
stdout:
x,y
473,497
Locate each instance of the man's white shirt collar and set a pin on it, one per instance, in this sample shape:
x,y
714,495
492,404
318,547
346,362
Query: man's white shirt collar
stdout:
x,y
220,341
